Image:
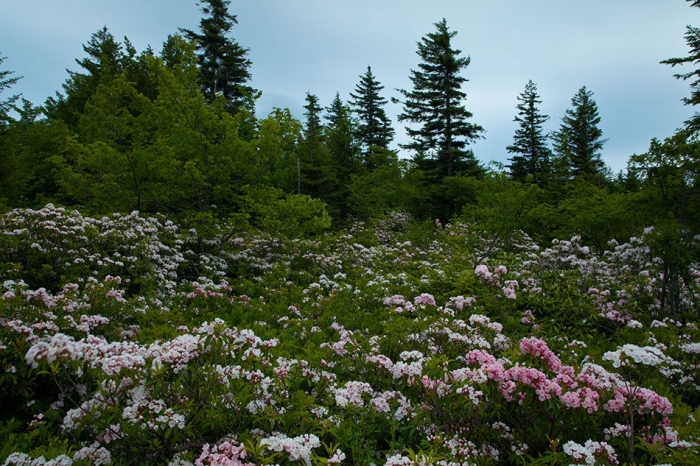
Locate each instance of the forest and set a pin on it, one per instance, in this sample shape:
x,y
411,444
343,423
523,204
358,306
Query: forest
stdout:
x,y
185,282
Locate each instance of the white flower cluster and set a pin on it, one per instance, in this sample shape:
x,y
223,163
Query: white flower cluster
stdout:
x,y
298,448
590,452
647,355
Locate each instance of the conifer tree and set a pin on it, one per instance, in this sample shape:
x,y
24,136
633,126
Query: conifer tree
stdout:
x,y
344,151
314,171
374,130
436,105
578,140
340,138
223,63
105,59
531,161
692,38
5,83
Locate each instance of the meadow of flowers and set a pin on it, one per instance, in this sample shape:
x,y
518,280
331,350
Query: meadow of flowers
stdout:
x,y
125,340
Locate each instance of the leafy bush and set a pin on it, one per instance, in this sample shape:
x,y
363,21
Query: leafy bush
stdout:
x,y
426,346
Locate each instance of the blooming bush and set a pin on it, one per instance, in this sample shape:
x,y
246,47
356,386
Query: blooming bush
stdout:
x,y
261,350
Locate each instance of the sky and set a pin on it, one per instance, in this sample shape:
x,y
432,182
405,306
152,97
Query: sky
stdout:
x,y
613,47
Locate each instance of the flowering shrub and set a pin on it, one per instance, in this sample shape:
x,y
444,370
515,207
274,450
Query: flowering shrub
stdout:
x,y
328,351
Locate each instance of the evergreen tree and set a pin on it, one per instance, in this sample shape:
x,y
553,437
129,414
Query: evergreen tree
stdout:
x,y
223,65
578,140
314,171
339,136
7,104
313,129
106,59
436,105
343,150
374,131
692,37
531,161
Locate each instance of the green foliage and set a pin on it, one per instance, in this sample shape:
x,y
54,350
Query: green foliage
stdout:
x,y
500,210
26,148
385,189
277,143
670,195
292,215
596,214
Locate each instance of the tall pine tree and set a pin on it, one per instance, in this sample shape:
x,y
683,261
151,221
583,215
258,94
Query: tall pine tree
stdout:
x,y
344,152
105,59
315,175
692,37
374,131
223,63
9,103
436,105
578,140
531,161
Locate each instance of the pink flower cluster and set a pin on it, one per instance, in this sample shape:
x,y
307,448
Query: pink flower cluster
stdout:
x,y
223,454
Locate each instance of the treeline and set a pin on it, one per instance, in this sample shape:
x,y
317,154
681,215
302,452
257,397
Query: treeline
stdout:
x,y
175,132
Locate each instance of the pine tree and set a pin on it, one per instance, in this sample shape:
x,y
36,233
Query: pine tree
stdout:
x,y
344,151
578,140
374,131
532,160
314,169
692,38
105,59
7,104
340,138
223,66
436,105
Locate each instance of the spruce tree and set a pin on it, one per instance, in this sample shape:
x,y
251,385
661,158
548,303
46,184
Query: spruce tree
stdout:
x,y
436,105
9,103
531,161
344,152
340,138
374,131
314,169
105,59
578,140
223,63
692,38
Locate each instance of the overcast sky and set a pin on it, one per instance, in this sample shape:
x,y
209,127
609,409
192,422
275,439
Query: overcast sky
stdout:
x,y
613,47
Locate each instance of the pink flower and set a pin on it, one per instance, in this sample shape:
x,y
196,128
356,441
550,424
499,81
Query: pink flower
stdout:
x,y
425,299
